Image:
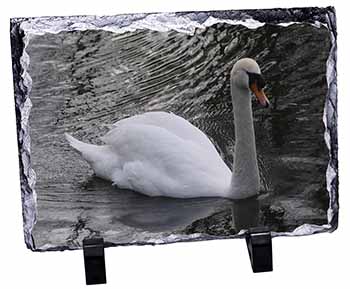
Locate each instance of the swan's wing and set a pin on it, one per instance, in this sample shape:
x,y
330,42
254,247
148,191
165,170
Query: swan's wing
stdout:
x,y
158,162
172,123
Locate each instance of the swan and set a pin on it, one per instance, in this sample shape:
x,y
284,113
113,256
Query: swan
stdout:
x,y
162,154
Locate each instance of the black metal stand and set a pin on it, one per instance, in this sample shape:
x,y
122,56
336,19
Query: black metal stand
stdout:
x,y
259,243
94,259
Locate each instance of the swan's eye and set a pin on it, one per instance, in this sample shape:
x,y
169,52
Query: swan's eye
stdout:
x,y
256,78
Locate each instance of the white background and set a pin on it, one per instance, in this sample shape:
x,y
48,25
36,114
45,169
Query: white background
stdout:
x,y
319,261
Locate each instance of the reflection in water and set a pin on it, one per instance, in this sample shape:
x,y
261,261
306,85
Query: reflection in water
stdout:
x,y
245,213
153,214
166,214
160,214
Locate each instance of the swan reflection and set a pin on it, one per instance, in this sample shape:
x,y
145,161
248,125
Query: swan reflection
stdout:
x,y
245,213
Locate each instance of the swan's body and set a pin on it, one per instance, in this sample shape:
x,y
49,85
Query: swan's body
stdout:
x,y
162,154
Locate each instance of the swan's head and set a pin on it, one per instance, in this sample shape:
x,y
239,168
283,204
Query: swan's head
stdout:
x,y
246,75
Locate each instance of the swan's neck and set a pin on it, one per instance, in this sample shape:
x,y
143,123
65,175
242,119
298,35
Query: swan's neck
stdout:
x,y
245,174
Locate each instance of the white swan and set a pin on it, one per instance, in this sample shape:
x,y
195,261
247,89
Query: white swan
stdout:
x,y
162,154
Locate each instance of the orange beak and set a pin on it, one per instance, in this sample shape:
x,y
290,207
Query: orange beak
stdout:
x,y
260,95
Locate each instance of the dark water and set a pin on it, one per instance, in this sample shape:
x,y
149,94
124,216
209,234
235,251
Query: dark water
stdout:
x,y
85,81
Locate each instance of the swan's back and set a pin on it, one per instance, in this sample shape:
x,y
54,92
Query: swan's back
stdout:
x,y
172,123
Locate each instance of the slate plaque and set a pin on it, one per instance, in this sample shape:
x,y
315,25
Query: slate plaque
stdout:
x,y
133,128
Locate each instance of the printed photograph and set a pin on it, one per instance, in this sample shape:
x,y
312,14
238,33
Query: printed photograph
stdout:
x,y
161,128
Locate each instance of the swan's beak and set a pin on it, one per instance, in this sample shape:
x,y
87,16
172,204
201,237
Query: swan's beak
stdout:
x,y
260,95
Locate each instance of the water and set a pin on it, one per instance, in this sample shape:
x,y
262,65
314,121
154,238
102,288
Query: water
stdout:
x,y
84,81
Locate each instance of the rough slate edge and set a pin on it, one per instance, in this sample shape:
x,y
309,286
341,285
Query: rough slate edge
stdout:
x,y
22,86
